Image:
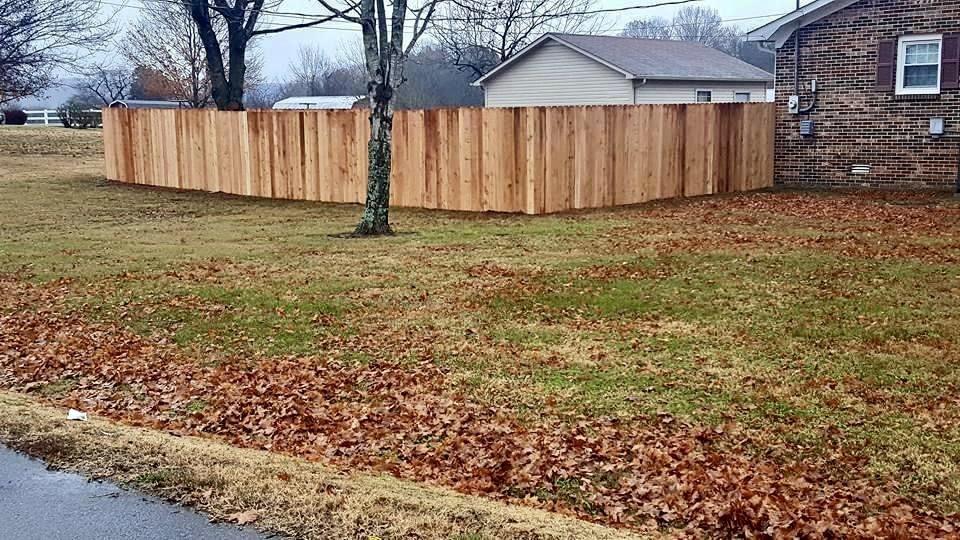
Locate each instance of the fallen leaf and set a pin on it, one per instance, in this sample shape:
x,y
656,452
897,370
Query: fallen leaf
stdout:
x,y
244,518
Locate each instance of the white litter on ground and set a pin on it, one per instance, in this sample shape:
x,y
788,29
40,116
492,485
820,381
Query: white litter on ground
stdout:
x,y
74,414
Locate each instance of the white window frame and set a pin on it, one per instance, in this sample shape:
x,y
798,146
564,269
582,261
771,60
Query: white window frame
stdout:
x,y
736,93
696,95
902,57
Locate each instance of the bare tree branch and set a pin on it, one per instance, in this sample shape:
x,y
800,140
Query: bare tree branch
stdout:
x,y
274,30
226,56
106,82
166,40
309,71
342,13
477,35
37,36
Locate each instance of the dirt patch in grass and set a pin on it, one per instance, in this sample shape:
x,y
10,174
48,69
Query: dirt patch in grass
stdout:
x,y
285,495
409,420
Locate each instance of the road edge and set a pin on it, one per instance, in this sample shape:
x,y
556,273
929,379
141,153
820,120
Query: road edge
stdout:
x,y
280,494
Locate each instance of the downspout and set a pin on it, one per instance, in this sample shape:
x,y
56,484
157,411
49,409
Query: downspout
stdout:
x,y
796,73
637,83
796,57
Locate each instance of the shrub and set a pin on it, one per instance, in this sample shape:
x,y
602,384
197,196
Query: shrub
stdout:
x,y
73,114
14,117
63,112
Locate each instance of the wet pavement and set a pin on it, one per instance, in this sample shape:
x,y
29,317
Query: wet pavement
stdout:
x,y
36,503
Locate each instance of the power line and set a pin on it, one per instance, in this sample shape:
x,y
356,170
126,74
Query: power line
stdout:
x,y
303,17
315,17
354,28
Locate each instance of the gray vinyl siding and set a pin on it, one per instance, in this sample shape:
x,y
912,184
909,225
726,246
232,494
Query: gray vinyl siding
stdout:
x,y
686,91
554,74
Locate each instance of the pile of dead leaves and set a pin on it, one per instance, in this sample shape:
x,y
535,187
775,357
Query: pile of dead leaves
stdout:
x,y
871,210
920,226
408,419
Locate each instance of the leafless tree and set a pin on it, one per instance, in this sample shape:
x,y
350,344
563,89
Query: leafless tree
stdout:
x,y
704,25
652,28
478,35
313,73
691,23
390,30
435,82
105,82
309,70
37,36
430,80
165,39
345,80
243,20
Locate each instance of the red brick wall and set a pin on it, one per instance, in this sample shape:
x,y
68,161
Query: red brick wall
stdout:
x,y
856,123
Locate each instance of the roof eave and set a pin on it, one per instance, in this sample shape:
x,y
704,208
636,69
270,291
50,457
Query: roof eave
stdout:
x,y
708,79
541,39
779,31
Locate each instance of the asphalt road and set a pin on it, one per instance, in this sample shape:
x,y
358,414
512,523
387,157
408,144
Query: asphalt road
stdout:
x,y
39,504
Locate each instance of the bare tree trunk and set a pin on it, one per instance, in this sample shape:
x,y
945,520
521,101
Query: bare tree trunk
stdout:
x,y
376,211
236,57
211,45
384,55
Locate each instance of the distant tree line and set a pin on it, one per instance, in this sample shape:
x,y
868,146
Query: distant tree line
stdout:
x,y
432,80
702,25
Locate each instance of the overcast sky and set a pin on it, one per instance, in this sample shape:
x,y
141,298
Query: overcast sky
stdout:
x,y
277,49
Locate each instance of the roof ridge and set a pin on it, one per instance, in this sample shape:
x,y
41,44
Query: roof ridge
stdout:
x,y
629,37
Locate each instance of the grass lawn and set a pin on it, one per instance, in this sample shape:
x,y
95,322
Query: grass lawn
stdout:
x,y
766,361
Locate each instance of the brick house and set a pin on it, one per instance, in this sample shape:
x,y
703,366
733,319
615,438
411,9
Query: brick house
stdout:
x,y
882,70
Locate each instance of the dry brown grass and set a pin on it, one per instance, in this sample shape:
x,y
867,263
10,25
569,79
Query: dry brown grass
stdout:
x,y
35,140
291,496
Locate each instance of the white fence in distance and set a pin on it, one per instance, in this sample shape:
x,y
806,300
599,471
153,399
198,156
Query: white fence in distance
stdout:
x,y
47,117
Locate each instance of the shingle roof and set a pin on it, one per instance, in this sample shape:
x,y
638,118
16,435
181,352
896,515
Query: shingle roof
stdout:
x,y
316,102
664,59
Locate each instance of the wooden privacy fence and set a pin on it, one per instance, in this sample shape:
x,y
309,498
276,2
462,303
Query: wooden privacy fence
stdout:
x,y
533,159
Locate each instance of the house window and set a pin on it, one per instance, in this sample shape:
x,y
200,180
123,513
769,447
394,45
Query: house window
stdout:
x,y
704,96
918,65
741,97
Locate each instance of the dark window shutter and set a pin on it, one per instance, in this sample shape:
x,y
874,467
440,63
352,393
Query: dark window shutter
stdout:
x,y
950,63
886,65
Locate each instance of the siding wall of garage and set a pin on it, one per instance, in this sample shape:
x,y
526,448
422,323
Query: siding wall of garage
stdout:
x,y
553,74
686,91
